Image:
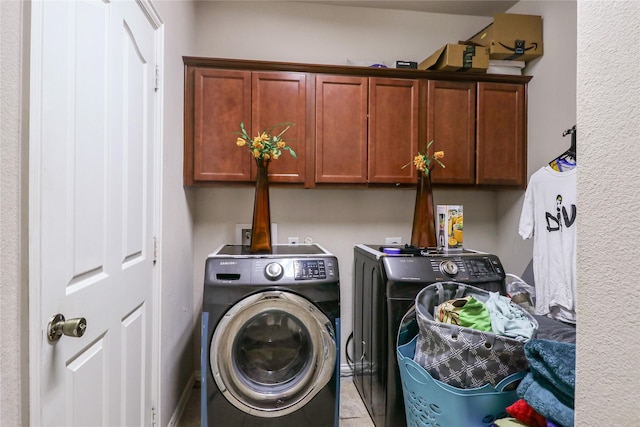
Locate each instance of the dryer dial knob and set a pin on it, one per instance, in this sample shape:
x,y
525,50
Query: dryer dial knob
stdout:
x,y
449,268
273,271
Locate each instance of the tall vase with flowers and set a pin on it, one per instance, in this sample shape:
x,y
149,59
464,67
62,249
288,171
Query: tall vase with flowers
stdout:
x,y
264,148
423,233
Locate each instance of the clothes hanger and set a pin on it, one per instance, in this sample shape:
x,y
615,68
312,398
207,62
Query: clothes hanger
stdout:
x,y
566,160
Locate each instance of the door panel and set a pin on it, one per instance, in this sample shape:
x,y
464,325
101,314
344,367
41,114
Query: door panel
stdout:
x,y
278,98
222,100
501,139
393,130
135,145
91,363
341,129
451,125
91,227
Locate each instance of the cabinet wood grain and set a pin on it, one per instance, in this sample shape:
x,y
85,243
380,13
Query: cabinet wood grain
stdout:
x,y
341,129
354,126
500,139
451,121
393,130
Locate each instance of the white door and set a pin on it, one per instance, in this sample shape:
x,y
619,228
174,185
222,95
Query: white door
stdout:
x,y
92,135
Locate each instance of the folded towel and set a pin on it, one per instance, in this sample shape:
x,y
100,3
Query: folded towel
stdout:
x,y
554,361
539,396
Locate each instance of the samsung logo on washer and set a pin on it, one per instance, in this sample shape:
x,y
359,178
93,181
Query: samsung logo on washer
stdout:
x,y
228,262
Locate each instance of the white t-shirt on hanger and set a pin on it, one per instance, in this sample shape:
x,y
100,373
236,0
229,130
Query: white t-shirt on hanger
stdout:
x,y
549,216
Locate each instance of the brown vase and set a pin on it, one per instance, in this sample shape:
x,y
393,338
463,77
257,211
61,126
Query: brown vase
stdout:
x,y
261,227
423,234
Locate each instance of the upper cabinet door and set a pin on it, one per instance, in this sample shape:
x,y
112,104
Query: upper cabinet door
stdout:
x,y
451,114
220,100
341,129
279,97
501,138
393,130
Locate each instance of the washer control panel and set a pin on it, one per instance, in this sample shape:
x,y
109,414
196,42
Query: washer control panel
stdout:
x,y
309,269
270,270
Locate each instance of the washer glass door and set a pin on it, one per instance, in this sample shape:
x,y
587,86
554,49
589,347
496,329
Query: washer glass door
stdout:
x,y
272,352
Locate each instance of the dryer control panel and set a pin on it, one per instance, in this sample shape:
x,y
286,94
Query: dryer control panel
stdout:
x,y
472,267
476,269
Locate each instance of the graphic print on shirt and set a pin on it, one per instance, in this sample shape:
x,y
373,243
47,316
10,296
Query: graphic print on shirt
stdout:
x,y
555,222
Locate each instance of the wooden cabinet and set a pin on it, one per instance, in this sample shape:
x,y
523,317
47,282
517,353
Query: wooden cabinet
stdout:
x,y
354,125
221,100
341,129
276,98
501,138
366,129
451,125
215,104
480,127
394,118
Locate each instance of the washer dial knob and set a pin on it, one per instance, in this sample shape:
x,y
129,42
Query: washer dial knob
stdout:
x,y
273,271
449,268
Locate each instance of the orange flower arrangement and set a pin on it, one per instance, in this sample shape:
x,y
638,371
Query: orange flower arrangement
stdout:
x,y
423,161
265,146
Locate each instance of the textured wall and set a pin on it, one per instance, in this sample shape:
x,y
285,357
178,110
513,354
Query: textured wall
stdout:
x,y
12,279
608,382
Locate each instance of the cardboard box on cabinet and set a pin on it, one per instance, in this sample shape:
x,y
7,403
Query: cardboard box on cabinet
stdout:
x,y
512,36
458,57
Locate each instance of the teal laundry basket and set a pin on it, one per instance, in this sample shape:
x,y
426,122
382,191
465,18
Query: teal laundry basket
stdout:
x,y
432,403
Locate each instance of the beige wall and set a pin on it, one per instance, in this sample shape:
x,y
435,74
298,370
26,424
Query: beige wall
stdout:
x,y
13,196
340,218
178,318
552,109
608,382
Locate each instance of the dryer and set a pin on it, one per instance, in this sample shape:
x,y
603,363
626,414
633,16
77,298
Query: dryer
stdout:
x,y
270,337
386,282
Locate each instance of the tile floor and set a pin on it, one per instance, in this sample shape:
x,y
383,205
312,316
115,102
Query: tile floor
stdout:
x,y
352,410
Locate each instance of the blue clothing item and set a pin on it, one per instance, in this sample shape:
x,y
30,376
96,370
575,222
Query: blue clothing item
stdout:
x,y
508,319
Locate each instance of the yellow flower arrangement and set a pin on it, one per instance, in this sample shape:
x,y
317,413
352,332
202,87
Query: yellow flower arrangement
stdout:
x,y
265,146
423,161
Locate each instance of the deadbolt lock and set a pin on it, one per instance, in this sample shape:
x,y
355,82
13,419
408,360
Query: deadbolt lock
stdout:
x,y
58,326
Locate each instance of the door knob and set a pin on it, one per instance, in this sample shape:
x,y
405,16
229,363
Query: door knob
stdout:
x,y
58,326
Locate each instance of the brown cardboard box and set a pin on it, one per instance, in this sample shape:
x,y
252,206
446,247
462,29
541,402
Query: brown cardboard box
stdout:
x,y
512,36
454,57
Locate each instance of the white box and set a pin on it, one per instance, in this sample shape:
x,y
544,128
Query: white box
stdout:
x,y
450,227
500,66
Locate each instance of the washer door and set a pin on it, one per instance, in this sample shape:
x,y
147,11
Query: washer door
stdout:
x,y
272,352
